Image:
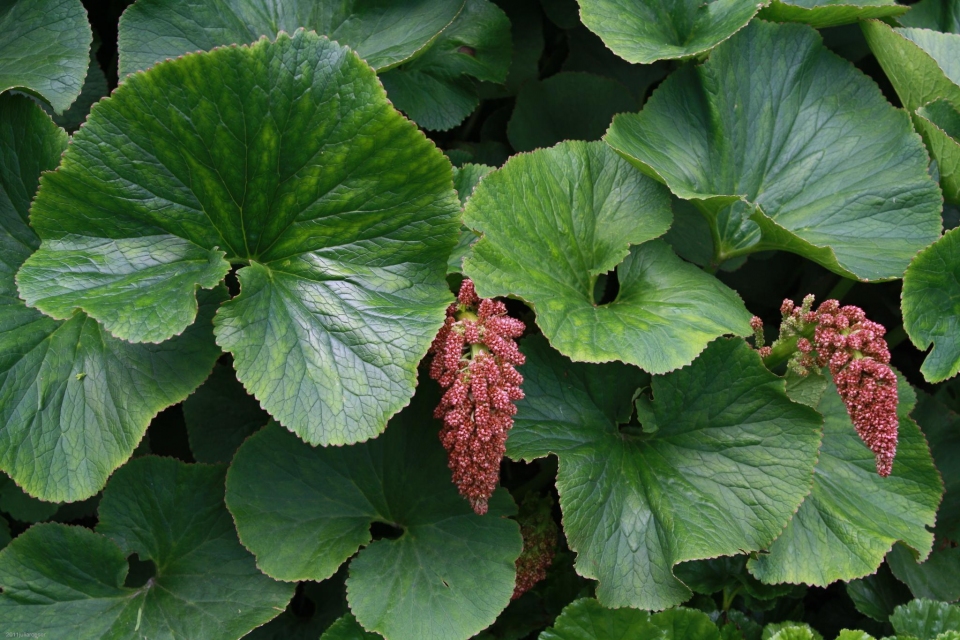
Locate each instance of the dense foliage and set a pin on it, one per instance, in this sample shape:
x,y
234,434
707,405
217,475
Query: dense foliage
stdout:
x,y
496,319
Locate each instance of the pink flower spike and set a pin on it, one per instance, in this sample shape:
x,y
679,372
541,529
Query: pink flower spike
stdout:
x,y
474,359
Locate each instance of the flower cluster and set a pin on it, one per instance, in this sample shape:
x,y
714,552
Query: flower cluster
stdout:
x,y
539,532
854,349
474,359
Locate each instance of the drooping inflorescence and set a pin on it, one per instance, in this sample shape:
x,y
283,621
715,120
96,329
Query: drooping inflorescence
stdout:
x,y
539,532
855,351
475,356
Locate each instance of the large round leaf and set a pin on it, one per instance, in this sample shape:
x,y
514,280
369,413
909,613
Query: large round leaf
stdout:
x,y
74,400
44,48
830,13
785,145
68,582
382,32
642,31
448,574
555,220
853,517
931,306
285,157
723,460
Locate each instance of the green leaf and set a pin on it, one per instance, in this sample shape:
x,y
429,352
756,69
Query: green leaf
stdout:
x,y
647,30
555,220
94,88
44,49
853,516
931,306
939,124
382,32
922,65
437,89
879,594
790,631
68,582
587,619
74,400
685,624
940,15
347,628
936,578
422,584
636,503
942,429
830,13
220,415
566,106
925,619
848,634
465,180
801,153
924,68
22,506
343,213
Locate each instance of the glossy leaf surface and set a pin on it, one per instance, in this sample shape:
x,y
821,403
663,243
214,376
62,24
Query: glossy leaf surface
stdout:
x,y
830,13
636,502
448,574
285,157
642,31
74,400
931,306
801,153
437,89
44,49
68,582
554,220
852,518
924,68
925,619
382,32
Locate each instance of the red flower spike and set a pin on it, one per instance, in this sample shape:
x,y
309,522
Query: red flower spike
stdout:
x,y
859,360
539,532
474,359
